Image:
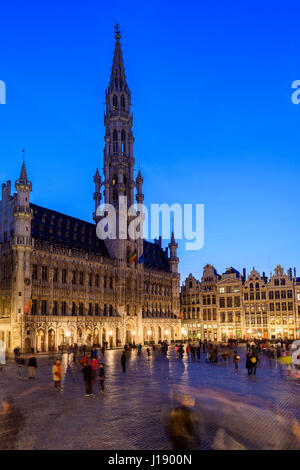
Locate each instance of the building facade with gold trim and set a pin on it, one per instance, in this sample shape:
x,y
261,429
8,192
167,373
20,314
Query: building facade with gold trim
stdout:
x,y
234,305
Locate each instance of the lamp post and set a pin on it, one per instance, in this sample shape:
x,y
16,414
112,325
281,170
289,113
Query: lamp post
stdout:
x,y
166,333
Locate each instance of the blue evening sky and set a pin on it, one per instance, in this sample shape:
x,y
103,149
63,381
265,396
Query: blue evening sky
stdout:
x,y
213,117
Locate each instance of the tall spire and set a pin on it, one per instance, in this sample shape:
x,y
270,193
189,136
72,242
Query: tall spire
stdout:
x,y
23,175
117,76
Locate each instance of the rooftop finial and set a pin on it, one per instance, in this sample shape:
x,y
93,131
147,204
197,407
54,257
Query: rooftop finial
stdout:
x,y
117,32
23,153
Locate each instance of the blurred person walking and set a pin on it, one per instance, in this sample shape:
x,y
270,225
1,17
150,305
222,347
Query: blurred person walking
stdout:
x,y
57,375
101,377
183,426
32,366
123,361
11,421
236,359
87,377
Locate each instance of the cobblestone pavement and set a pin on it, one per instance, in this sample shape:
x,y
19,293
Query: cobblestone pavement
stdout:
x,y
235,411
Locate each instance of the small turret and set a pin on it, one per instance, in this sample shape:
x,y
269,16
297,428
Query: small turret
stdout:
x,y
139,187
173,260
97,194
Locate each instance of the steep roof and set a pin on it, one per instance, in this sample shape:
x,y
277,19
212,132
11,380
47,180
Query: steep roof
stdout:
x,y
61,229
155,257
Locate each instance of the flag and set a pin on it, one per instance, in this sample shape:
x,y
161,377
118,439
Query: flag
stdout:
x,y
132,258
141,258
181,315
27,308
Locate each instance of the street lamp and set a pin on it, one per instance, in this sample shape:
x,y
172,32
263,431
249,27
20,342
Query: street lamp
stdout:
x,y
148,334
133,334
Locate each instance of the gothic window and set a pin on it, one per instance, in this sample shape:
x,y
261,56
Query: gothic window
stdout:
x,y
96,310
123,102
115,102
81,278
64,276
90,309
97,280
55,308
90,279
44,273
81,308
123,139
115,141
44,307
110,310
110,282
34,272
124,179
63,307
55,275
34,307
73,309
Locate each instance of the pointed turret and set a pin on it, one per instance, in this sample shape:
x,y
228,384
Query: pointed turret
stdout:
x,y
23,175
173,260
97,194
139,187
117,76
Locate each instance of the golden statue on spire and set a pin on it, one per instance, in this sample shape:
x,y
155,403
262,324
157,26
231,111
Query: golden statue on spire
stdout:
x,y
117,31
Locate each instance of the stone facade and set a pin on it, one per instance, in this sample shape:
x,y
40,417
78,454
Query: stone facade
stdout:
x,y
85,290
236,306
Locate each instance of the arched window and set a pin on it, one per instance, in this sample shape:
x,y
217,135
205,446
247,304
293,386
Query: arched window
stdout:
x,y
124,179
115,141
115,102
123,138
115,180
123,102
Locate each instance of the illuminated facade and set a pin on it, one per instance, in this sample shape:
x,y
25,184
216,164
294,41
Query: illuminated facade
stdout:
x,y
236,306
85,290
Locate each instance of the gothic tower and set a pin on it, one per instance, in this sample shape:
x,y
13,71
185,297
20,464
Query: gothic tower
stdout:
x,y
119,184
22,245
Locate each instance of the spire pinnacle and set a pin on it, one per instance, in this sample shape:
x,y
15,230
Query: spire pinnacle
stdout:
x,y
117,77
117,32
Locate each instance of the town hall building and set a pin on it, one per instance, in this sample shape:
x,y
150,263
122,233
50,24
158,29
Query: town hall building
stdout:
x,y
60,284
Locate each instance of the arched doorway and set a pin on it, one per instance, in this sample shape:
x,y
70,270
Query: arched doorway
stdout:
x,y
88,336
118,337
130,333
159,334
79,335
103,336
61,337
51,340
41,341
172,333
96,337
27,345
